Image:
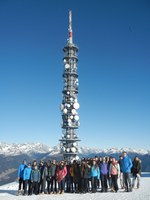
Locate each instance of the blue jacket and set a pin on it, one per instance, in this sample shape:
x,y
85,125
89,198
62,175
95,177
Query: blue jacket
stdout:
x,y
35,175
126,165
21,170
104,168
95,172
27,173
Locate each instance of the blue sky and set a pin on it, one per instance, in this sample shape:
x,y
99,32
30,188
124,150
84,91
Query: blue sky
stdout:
x,y
114,70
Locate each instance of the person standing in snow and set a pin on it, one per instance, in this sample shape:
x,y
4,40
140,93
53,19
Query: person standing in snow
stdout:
x,y
103,174
95,174
109,179
126,165
35,180
61,174
68,177
121,173
20,175
87,176
49,176
136,171
53,177
76,176
114,173
43,172
27,179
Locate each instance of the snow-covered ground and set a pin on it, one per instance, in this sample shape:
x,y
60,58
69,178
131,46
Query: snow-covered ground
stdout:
x,y
8,192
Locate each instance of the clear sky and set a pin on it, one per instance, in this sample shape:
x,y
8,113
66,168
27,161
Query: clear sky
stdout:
x,y
114,70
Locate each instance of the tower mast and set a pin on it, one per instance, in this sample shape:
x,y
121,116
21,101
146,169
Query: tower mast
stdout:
x,y
70,28
69,106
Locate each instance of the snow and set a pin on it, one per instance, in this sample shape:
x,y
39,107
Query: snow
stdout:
x,y
17,149
8,192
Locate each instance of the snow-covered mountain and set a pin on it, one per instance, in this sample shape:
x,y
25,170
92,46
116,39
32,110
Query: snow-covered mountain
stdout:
x,y
30,148
88,150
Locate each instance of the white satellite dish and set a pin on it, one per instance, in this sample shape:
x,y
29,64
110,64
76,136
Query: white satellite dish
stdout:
x,y
73,111
74,144
67,66
65,110
69,120
61,106
76,105
73,149
76,117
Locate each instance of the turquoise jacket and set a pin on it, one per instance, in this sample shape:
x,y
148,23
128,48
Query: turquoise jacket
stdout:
x,y
95,172
21,170
27,173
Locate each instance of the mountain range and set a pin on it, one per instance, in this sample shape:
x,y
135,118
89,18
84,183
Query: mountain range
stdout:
x,y
11,155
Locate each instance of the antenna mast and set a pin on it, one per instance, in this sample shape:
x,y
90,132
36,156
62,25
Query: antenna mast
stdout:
x,y
70,40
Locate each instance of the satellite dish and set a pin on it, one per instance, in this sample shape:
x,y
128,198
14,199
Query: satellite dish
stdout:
x,y
75,100
69,120
69,124
65,110
73,111
61,106
67,66
73,149
76,105
76,117
74,144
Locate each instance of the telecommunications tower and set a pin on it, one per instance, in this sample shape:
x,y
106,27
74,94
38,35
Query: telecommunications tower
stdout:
x,y
69,107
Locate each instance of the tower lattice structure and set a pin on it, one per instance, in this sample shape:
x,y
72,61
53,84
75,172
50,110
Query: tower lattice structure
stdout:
x,y
69,106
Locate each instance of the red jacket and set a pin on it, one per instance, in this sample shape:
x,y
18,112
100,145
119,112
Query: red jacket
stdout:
x,y
61,173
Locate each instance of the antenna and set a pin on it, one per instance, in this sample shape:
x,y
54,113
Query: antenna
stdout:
x,y
70,40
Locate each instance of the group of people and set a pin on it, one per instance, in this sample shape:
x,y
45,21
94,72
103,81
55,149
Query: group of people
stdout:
x,y
87,175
